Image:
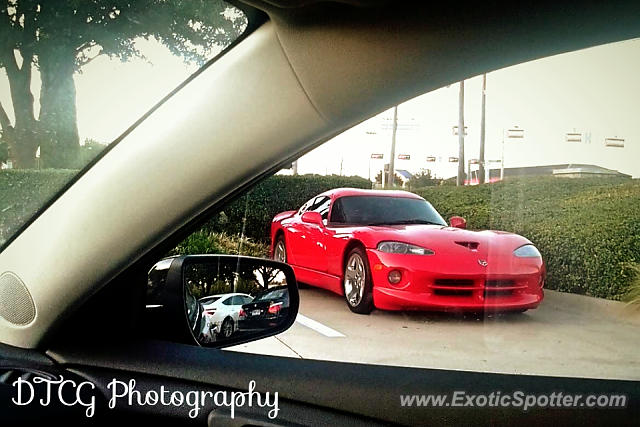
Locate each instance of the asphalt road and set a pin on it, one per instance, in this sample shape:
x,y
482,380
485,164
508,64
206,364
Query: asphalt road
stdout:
x,y
568,335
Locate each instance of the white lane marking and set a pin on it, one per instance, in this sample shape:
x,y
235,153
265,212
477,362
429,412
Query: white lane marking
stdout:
x,y
318,327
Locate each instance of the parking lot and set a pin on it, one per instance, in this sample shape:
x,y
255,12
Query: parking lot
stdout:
x,y
568,335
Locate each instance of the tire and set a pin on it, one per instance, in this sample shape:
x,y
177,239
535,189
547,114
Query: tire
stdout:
x,y
280,249
226,329
283,257
357,285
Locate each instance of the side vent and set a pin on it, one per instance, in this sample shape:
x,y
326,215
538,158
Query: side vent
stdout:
x,y
16,304
469,245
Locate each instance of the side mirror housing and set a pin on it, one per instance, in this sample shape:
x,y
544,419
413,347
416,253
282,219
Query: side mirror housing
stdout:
x,y
219,300
313,218
458,222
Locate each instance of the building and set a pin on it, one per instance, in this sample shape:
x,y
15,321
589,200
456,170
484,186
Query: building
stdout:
x,y
563,170
404,175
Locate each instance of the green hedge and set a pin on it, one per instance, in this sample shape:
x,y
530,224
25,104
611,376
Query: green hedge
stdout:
x,y
588,230
206,242
278,193
23,192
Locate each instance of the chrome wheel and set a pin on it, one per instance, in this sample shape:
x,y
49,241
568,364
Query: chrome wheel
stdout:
x,y
354,280
280,252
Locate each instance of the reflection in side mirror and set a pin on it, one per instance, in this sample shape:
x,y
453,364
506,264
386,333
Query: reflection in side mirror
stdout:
x,y
313,218
458,222
228,300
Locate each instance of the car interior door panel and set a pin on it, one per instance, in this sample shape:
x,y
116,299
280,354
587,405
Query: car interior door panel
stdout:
x,y
370,393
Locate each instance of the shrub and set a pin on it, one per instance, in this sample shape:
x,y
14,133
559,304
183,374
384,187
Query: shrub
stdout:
x,y
251,214
22,194
633,296
206,242
423,179
588,230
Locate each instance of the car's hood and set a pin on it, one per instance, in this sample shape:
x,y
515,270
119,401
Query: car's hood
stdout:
x,y
445,240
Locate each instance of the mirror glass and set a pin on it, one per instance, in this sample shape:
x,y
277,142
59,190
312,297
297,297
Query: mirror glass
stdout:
x,y
228,299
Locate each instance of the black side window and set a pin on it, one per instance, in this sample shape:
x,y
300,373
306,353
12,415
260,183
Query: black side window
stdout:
x,y
228,301
337,214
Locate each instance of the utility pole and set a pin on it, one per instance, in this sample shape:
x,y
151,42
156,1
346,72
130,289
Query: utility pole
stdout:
x,y
502,159
392,169
481,170
460,179
295,167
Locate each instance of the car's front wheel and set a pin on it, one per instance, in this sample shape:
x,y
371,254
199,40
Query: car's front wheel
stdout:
x,y
357,284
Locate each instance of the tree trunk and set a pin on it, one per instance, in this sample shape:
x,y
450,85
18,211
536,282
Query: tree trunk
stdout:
x,y
58,119
23,136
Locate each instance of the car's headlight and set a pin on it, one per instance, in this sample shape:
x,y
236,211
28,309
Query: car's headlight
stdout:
x,y
403,248
527,251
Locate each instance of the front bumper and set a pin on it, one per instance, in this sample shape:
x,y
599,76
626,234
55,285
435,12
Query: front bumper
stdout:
x,y
460,283
259,323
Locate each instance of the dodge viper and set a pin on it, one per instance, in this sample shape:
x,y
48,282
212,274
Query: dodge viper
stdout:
x,y
392,250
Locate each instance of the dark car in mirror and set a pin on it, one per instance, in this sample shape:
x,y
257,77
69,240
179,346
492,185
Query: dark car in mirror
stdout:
x,y
267,309
220,300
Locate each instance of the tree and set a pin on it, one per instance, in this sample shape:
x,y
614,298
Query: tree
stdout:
x,y
59,37
423,179
88,151
4,152
396,177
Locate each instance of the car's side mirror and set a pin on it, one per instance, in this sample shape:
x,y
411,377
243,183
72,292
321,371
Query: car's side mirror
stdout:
x,y
220,300
458,222
313,218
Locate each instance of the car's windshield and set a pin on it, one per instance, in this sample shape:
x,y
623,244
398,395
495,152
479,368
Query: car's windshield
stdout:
x,y
383,210
549,167
51,128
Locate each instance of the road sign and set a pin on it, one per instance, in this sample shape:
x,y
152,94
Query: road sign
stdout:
x,y
614,142
573,137
377,156
515,133
431,159
404,156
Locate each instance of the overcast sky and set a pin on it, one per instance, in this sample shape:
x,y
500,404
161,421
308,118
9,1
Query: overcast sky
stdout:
x,y
594,92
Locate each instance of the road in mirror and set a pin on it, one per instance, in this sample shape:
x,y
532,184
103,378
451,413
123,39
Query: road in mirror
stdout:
x,y
227,299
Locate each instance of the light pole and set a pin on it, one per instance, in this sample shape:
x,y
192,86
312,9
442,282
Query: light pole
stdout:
x,y
393,146
502,159
460,178
482,124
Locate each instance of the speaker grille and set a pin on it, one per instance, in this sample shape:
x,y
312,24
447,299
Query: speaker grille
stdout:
x,y
16,304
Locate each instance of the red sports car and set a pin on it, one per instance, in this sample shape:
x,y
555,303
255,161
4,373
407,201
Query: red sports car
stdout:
x,y
393,251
